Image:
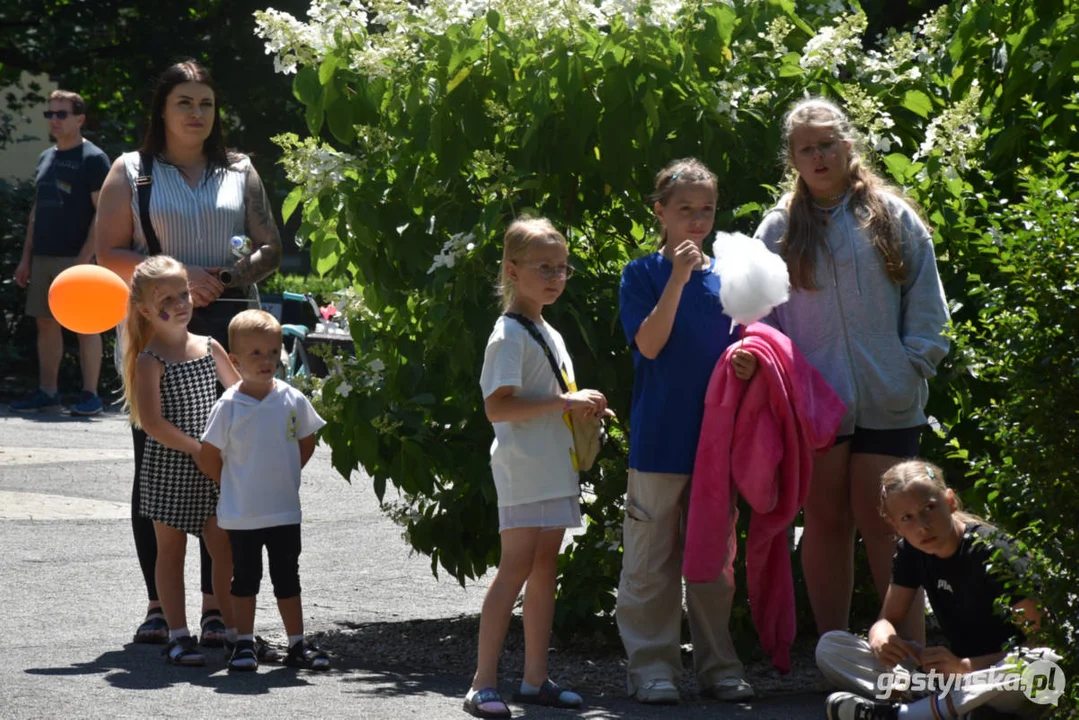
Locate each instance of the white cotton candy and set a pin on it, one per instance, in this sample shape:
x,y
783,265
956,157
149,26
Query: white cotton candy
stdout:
x,y
752,279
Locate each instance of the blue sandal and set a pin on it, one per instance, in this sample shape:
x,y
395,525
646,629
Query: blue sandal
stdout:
x,y
474,705
213,629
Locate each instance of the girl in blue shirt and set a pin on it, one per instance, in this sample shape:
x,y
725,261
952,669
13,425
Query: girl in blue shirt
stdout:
x,y
674,323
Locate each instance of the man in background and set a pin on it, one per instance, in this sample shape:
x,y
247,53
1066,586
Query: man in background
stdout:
x,y
58,236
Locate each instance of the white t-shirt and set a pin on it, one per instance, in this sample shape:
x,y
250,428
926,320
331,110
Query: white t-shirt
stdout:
x,y
259,443
531,460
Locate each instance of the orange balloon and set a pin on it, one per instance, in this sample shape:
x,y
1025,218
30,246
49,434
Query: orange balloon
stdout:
x,y
88,299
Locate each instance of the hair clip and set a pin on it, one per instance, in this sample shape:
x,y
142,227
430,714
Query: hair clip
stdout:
x,y
674,175
883,492
929,472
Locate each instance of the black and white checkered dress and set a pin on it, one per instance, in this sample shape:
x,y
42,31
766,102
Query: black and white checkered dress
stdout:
x,y
172,490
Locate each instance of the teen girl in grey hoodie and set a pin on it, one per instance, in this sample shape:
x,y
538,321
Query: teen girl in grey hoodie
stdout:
x,y
868,310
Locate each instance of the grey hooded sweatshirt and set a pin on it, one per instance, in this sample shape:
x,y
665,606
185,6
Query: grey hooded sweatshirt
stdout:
x,y
875,342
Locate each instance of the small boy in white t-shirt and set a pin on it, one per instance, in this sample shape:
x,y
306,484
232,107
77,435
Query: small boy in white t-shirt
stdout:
x,y
258,437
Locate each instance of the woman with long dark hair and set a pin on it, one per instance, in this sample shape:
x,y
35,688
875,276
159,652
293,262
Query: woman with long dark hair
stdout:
x,y
201,195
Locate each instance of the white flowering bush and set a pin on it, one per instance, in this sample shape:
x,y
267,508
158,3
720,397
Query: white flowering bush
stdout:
x,y
433,126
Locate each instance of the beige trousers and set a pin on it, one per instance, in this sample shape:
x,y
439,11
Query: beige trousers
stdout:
x,y
849,663
649,607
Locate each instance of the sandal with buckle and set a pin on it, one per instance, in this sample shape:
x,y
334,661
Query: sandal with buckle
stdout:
x,y
549,695
154,630
181,651
244,658
486,696
264,651
213,629
308,657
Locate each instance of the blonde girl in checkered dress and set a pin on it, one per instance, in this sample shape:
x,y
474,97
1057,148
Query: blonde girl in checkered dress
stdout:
x,y
170,384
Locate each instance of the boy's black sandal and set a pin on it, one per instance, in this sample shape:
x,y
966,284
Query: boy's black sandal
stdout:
x,y
264,651
308,657
185,653
244,658
482,697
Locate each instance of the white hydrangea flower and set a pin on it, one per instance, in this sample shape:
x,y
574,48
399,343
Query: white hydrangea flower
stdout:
x,y
955,132
834,46
457,246
313,165
344,388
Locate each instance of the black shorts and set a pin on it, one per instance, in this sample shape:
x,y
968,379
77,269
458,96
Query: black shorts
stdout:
x,y
900,443
283,550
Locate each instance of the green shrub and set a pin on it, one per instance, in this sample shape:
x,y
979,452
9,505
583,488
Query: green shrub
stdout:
x,y
324,288
16,330
432,127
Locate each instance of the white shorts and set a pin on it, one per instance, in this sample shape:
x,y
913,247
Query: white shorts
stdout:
x,y
559,513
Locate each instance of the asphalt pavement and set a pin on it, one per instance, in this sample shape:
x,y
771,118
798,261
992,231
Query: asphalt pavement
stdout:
x,y
71,595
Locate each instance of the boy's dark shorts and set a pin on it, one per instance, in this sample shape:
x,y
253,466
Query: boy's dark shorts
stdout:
x,y
282,545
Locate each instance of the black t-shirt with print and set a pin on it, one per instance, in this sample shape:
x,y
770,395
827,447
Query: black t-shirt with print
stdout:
x,y
65,180
963,589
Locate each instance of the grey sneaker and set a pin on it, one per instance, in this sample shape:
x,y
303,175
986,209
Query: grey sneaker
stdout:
x,y
87,404
37,401
730,689
658,692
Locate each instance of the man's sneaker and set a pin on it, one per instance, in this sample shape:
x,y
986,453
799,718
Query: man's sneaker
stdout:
x,y
658,692
37,401
848,706
87,404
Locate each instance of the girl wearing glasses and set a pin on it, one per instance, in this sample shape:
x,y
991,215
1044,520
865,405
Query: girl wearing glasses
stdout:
x,y
867,309
675,326
532,460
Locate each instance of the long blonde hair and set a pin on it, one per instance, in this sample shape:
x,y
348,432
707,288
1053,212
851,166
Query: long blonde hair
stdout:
x,y
685,171
521,233
805,225
900,476
137,328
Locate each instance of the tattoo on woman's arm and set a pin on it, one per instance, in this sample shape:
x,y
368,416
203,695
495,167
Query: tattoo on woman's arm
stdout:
x,y
261,228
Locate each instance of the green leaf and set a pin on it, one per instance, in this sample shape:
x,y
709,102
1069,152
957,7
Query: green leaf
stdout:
x,y
292,200
307,88
324,255
313,116
494,20
918,103
898,165
327,68
339,118
458,78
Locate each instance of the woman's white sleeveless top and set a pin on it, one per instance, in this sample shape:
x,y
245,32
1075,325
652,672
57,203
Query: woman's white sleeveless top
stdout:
x,y
194,225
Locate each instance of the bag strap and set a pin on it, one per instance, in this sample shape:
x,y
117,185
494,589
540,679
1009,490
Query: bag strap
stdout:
x,y
144,183
535,333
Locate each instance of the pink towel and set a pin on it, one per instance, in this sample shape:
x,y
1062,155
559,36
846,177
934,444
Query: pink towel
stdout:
x,y
759,439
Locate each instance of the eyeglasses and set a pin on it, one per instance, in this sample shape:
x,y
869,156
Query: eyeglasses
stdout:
x,y
550,272
58,114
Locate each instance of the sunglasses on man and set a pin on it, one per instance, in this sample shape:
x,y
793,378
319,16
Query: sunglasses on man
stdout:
x,y
58,114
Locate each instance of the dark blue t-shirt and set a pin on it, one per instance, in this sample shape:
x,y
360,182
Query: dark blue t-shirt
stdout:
x,y
963,588
668,392
65,179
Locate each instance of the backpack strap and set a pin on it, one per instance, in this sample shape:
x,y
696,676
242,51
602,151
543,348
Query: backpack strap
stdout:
x,y
144,183
535,333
